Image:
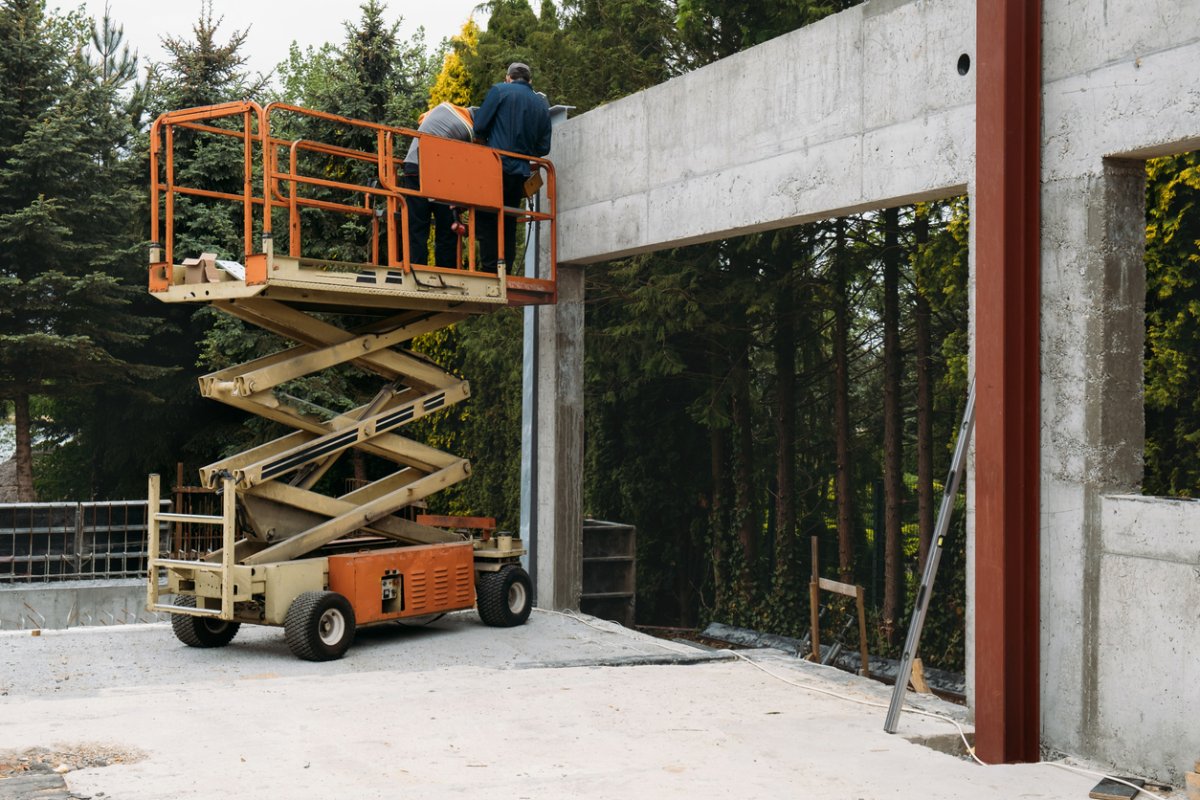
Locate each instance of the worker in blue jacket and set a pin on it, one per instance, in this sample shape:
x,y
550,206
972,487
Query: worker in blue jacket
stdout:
x,y
515,118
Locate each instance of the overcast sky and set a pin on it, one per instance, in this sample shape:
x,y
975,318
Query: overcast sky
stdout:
x,y
273,24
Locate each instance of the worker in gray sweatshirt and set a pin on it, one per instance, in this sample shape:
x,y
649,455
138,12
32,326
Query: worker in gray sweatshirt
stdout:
x,y
451,122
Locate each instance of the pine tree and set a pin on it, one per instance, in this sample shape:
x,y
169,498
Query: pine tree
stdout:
x,y
714,29
67,221
453,83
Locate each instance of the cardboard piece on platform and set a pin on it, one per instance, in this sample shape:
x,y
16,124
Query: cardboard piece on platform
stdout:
x,y
202,270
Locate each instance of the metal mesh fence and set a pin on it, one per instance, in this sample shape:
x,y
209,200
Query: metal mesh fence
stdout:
x,y
42,542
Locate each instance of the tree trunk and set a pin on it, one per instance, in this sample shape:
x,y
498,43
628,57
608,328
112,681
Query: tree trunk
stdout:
x,y
893,576
719,474
924,352
841,408
24,453
743,487
360,467
785,431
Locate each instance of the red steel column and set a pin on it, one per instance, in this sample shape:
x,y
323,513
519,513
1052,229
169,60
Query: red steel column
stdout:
x,y
1007,469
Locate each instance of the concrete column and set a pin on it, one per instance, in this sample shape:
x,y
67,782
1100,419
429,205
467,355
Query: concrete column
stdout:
x,y
557,431
1093,433
552,425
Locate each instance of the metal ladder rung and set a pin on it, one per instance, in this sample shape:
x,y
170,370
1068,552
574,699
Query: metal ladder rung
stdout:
x,y
208,566
198,518
192,610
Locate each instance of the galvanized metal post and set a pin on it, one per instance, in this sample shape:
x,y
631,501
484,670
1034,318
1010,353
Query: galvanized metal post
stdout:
x,y
78,554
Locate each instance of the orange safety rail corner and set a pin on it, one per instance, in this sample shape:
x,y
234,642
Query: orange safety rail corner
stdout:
x,y
192,118
159,280
256,269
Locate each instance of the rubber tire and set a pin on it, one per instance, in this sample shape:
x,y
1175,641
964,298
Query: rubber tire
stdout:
x,y
201,631
504,598
303,626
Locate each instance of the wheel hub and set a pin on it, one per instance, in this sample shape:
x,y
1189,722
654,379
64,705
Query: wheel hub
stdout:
x,y
331,627
516,597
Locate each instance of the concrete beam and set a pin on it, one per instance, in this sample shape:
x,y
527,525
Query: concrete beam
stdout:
x,y
864,109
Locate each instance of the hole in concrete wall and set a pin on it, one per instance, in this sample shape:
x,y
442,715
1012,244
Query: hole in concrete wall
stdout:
x,y
1172,352
735,397
964,64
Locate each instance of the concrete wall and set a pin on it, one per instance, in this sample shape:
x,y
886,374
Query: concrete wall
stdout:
x,y
866,109
1119,579
1147,594
72,604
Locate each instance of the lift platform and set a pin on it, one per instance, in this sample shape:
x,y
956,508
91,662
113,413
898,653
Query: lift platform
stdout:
x,y
320,564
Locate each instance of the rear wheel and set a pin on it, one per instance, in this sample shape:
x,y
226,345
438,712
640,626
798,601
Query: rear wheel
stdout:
x,y
201,631
319,626
505,598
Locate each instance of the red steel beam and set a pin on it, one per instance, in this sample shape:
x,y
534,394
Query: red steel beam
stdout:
x,y
1008,371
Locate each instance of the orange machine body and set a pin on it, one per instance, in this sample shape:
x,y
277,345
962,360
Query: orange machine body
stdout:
x,y
405,581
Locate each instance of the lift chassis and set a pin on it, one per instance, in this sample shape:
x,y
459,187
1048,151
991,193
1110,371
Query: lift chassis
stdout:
x,y
315,564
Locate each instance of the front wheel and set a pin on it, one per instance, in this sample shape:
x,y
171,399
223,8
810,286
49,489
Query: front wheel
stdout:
x,y
201,631
505,598
319,626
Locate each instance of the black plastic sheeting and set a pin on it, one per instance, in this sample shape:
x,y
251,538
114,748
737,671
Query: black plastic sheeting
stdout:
x,y
884,669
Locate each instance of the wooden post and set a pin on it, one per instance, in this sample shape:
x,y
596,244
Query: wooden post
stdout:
x,y
152,541
862,633
918,677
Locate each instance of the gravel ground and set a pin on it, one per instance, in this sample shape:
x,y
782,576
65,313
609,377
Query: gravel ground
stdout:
x,y
64,759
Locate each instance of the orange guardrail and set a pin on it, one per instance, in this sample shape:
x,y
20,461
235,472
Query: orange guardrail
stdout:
x,y
461,174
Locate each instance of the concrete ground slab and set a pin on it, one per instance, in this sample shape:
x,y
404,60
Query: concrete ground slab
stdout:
x,y
459,710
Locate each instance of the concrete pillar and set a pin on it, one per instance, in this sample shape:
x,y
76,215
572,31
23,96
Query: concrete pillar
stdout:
x,y
556,516
1093,435
552,427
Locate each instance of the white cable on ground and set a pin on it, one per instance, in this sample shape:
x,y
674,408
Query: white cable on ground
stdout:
x,y
615,628
962,733
1102,775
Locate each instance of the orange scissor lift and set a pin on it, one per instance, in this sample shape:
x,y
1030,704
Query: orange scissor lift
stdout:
x,y
316,564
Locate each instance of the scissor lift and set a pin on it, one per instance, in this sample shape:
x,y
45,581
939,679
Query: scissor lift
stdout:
x,y
290,556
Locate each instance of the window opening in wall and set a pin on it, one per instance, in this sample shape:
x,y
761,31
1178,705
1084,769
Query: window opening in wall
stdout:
x,y
1172,365
744,396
